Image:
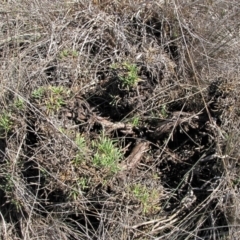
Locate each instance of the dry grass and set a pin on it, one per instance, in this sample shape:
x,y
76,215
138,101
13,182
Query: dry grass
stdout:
x,y
174,133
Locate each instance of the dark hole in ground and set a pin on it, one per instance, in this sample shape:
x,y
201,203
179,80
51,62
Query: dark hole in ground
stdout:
x,y
32,137
173,52
11,213
88,221
150,77
33,177
3,146
154,27
50,72
57,196
111,101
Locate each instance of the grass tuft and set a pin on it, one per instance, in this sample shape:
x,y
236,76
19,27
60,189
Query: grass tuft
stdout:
x,y
107,155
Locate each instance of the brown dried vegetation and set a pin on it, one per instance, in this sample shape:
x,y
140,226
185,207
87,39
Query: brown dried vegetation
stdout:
x,y
119,119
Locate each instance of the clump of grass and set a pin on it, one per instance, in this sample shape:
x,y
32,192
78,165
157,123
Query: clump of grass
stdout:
x,y
163,111
78,189
53,97
135,121
128,74
19,103
147,197
68,53
82,149
5,124
38,93
107,155
7,184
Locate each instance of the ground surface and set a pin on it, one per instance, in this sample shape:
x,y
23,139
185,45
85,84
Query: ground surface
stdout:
x,y
119,120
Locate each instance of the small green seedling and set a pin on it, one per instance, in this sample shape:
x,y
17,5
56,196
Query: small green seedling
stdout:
x,y
79,188
107,154
83,183
17,204
147,197
19,103
130,78
38,93
51,96
74,53
127,73
64,53
135,121
7,184
82,146
5,124
68,53
80,141
57,90
164,111
55,98
114,66
53,104
74,193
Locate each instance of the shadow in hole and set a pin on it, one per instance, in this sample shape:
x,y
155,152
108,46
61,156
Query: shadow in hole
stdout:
x,y
3,146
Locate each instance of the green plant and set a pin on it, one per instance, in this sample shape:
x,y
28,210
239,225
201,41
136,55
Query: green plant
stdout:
x,y
66,53
54,103
107,155
38,93
80,186
81,143
130,78
5,123
114,66
7,184
43,172
164,111
52,96
147,197
135,121
57,90
83,183
127,73
70,133
55,98
74,53
19,103
74,193
17,204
